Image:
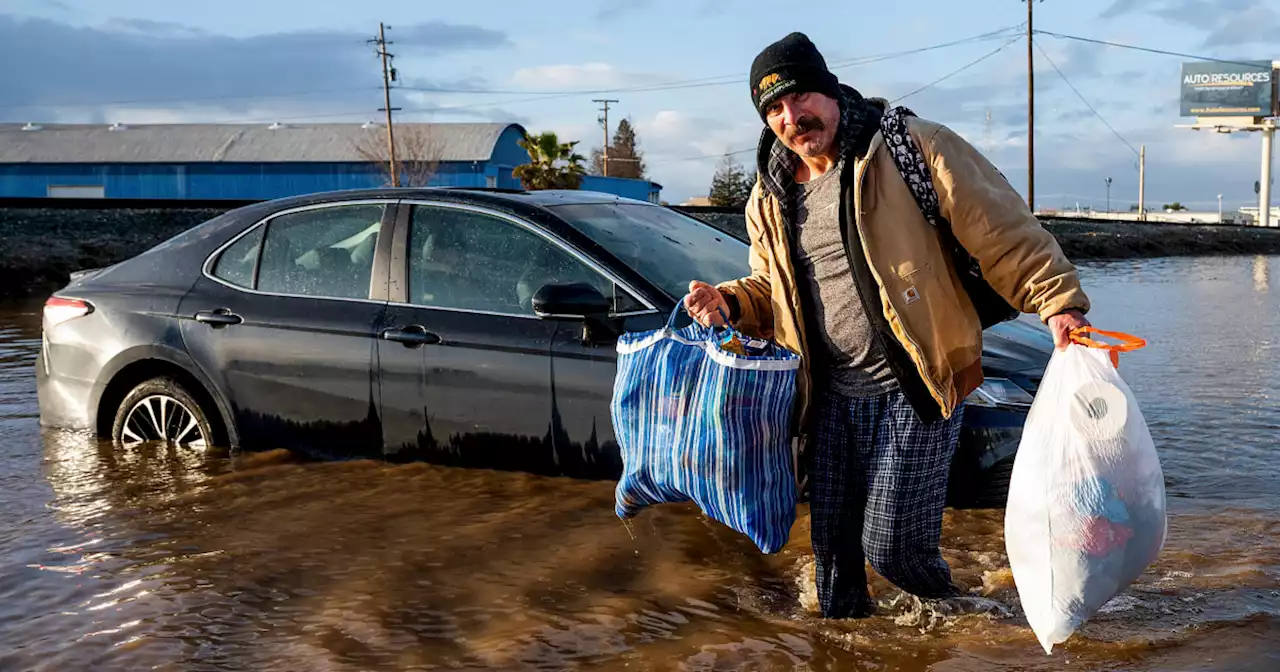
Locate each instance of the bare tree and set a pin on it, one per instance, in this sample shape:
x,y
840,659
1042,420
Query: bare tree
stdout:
x,y
418,153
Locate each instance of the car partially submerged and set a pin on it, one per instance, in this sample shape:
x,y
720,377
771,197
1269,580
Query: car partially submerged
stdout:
x,y
473,328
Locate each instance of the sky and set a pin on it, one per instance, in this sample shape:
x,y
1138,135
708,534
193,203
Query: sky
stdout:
x,y
677,69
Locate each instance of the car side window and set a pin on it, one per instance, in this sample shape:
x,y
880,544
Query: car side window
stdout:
x,y
325,252
469,260
236,263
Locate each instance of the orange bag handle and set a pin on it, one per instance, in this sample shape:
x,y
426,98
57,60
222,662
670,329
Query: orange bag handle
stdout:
x,y
1128,342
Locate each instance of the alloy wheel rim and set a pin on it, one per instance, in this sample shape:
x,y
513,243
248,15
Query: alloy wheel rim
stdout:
x,y
160,417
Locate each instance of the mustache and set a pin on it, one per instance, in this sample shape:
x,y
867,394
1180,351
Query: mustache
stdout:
x,y
806,124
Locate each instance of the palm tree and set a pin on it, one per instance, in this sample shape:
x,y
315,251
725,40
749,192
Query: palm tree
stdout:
x,y
552,164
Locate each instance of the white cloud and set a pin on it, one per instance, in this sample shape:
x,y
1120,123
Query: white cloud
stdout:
x,y
672,140
587,135
679,133
665,124
1184,145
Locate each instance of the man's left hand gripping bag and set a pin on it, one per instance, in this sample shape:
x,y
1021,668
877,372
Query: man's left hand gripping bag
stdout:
x,y
697,423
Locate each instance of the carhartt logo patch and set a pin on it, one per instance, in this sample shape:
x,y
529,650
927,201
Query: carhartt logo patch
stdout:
x,y
911,295
768,81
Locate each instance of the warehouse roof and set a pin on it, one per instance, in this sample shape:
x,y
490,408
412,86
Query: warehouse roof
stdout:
x,y
238,143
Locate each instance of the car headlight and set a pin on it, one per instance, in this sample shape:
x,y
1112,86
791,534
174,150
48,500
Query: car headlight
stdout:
x,y
998,393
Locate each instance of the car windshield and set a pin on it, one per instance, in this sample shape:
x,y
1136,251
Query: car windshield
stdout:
x,y
666,247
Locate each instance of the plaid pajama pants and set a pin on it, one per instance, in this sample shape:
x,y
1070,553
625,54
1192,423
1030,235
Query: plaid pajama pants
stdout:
x,y
878,485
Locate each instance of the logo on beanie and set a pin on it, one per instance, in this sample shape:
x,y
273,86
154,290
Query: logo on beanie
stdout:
x,y
768,81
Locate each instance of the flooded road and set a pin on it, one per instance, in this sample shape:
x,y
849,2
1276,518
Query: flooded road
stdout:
x,y
154,559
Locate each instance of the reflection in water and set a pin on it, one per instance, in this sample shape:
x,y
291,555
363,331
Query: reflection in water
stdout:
x,y
251,562
161,558
1261,278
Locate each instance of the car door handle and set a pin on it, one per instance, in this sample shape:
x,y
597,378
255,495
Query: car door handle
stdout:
x,y
411,336
218,318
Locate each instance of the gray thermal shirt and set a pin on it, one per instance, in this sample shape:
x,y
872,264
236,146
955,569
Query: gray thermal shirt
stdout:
x,y
857,366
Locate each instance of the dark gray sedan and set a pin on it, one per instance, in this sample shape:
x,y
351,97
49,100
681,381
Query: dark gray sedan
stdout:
x,y
472,328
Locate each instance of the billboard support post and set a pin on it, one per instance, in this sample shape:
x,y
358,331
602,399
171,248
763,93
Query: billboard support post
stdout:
x,y
1264,187
1142,184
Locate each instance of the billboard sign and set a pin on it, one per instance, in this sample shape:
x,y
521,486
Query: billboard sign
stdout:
x,y
1216,89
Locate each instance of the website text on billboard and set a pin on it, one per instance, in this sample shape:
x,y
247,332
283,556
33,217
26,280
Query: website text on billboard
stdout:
x,y
1247,89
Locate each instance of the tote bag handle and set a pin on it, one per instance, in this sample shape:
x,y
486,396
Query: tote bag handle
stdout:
x,y
1127,342
671,321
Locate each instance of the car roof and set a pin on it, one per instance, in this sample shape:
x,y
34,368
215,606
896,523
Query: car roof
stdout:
x,y
506,198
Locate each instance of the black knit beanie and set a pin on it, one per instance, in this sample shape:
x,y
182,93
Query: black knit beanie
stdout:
x,y
790,65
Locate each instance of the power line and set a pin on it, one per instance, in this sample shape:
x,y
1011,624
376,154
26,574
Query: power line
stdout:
x,y
526,95
1002,47
707,156
992,35
683,84
1147,49
692,83
719,80
676,84
1082,98
953,73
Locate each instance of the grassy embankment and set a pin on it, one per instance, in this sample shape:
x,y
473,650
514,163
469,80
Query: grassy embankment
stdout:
x,y
1121,240
39,248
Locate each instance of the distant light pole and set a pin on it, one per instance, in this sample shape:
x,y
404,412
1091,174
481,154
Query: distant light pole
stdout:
x,y
1108,194
1219,208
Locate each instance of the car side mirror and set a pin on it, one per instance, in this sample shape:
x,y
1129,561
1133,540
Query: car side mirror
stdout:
x,y
576,300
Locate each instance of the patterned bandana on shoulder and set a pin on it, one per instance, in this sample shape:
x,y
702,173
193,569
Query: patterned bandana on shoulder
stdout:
x,y
857,117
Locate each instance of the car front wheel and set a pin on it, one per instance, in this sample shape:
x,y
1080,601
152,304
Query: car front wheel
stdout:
x,y
161,409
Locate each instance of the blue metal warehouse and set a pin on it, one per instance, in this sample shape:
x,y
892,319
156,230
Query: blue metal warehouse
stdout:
x,y
256,161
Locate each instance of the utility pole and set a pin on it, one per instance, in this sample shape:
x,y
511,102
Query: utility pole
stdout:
x,y
604,120
388,76
1031,114
1142,184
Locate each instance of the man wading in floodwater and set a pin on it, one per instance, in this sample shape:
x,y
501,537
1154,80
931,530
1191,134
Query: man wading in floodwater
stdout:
x,y
846,270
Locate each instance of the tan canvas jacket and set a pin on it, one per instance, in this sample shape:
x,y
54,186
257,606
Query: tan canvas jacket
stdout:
x,y
922,300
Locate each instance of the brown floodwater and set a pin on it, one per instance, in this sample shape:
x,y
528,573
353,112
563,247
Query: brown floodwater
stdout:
x,y
165,560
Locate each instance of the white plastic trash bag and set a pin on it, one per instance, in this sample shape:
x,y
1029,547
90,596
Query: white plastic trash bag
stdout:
x,y
1086,508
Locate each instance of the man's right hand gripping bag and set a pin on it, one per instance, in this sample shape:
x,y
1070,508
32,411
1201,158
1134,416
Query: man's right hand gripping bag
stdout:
x,y
1086,508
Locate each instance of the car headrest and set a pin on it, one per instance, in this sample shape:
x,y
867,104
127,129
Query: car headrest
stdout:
x,y
333,257
441,239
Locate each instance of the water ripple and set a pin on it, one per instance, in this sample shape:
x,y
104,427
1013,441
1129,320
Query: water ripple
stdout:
x,y
157,558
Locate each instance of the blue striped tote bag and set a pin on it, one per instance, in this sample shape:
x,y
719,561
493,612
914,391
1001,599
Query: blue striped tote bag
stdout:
x,y
696,422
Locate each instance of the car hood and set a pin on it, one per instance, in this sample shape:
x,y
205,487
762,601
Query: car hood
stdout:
x,y
1016,346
